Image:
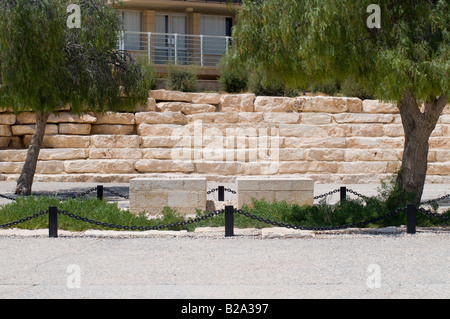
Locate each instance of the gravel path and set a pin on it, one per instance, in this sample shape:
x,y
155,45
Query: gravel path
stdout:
x,y
344,266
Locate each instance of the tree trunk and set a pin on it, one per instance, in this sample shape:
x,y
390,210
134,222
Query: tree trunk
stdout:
x,y
25,181
418,127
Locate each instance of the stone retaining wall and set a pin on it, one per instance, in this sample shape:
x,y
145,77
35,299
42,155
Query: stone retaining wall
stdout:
x,y
223,136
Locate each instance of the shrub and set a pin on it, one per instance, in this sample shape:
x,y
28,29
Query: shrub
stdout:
x,y
350,88
329,88
232,82
182,78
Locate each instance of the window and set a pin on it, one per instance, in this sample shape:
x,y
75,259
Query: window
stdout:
x,y
215,29
132,22
170,40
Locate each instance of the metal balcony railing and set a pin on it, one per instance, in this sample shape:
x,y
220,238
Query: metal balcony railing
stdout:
x,y
172,48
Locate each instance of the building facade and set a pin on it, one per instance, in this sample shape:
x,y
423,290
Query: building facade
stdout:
x,y
178,32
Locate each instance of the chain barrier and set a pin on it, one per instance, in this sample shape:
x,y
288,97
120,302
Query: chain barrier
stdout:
x,y
328,194
353,225
436,200
142,228
217,189
25,219
109,190
427,212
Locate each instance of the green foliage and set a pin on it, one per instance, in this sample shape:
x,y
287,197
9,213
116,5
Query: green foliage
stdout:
x,y
182,78
231,82
330,87
350,88
304,41
46,65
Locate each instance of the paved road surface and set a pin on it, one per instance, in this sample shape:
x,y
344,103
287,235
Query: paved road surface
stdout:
x,y
357,266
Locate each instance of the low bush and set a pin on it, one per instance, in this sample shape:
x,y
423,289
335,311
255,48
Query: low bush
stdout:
x,y
182,78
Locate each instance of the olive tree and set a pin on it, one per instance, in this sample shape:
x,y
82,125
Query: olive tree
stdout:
x,y
398,49
48,61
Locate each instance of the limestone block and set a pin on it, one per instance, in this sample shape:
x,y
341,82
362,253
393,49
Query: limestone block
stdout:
x,y
237,102
66,117
165,95
289,189
329,142
393,130
440,142
376,106
441,155
151,195
115,153
308,167
7,119
26,118
164,166
316,118
115,118
219,168
150,106
63,154
282,118
363,118
61,141
157,153
370,130
13,155
162,141
216,117
357,155
206,98
115,141
274,104
321,104
160,118
362,167
50,167
292,154
333,154
444,119
300,130
4,141
19,130
250,117
375,142
11,167
5,130
158,129
185,108
439,168
74,129
99,166
112,129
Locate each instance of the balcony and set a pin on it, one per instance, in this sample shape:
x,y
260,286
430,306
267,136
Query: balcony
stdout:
x,y
161,49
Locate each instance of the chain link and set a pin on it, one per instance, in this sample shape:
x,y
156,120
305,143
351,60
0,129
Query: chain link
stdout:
x,y
430,213
354,225
142,228
436,200
22,220
327,194
217,189
109,190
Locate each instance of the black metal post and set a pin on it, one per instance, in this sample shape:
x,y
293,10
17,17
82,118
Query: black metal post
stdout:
x,y
53,222
343,193
411,219
229,221
221,193
100,192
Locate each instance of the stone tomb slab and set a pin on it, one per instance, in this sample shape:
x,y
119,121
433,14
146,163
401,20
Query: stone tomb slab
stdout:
x,y
290,189
151,195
